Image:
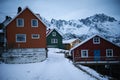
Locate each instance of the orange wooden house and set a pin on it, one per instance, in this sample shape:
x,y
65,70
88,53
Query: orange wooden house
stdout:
x,y
68,44
26,30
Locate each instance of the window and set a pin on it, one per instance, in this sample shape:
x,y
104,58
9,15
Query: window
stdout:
x,y
20,22
54,34
84,53
35,36
109,52
54,40
34,23
96,40
20,37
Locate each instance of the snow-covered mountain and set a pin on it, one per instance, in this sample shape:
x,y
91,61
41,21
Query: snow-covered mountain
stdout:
x,y
101,24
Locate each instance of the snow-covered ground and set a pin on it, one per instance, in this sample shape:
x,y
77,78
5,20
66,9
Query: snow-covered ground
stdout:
x,y
55,67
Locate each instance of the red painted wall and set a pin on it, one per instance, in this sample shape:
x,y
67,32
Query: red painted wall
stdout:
x,y
91,47
12,30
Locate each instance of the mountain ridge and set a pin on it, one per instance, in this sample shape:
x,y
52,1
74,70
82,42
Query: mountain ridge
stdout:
x,y
82,28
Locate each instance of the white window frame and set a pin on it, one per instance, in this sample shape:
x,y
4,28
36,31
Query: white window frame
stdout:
x,y
21,41
82,54
32,23
38,36
53,33
54,40
107,52
18,22
96,40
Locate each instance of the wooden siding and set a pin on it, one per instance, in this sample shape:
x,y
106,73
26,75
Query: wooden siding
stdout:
x,y
102,47
12,30
58,37
68,46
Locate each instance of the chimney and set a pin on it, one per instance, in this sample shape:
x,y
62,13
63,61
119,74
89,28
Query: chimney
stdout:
x,y
19,10
7,17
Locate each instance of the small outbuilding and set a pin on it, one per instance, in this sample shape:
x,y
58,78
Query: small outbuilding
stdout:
x,y
68,44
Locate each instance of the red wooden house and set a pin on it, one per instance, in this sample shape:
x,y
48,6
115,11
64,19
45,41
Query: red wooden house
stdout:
x,y
26,30
96,49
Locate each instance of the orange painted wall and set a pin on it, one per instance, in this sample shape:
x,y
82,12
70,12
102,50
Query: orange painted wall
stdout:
x,y
12,30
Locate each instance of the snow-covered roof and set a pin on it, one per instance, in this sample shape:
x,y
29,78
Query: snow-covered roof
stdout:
x,y
50,30
89,39
38,15
69,41
23,11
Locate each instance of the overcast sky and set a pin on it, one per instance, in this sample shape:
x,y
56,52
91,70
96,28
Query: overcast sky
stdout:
x,y
62,9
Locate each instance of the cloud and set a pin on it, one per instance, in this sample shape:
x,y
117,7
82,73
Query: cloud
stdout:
x,y
62,9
